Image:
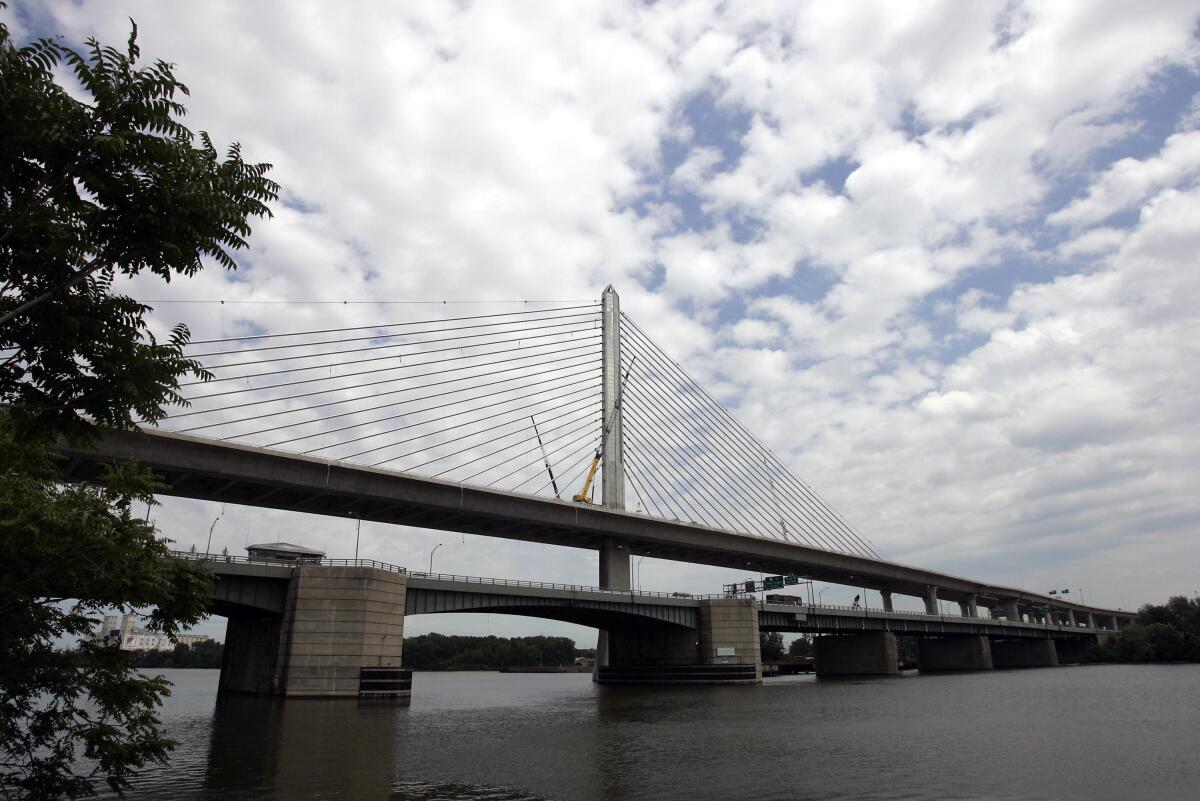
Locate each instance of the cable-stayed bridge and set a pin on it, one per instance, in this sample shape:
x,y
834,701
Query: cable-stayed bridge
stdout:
x,y
497,424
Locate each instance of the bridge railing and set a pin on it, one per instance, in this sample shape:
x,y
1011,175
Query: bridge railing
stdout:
x,y
199,556
325,562
548,585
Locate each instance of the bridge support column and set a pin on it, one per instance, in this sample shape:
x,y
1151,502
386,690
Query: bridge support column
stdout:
x,y
338,621
1012,611
251,654
1091,620
968,606
887,600
966,652
1071,618
869,654
614,574
931,600
724,650
1024,653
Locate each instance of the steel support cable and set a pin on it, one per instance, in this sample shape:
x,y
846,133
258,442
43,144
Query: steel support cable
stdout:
x,y
812,527
394,325
749,490
375,384
683,501
377,337
432,396
377,370
817,507
582,427
540,460
644,500
820,532
565,335
587,421
668,500
809,499
523,414
585,463
417,411
721,515
573,447
568,329
591,386
642,392
454,453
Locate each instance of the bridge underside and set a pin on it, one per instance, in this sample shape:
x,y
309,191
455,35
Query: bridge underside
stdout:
x,y
217,471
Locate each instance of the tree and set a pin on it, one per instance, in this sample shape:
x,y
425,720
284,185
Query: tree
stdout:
x,y
91,189
801,646
771,645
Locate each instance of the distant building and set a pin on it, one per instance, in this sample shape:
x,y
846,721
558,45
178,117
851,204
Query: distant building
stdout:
x,y
128,637
285,552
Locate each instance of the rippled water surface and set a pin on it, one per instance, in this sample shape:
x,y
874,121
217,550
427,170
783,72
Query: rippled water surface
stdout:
x,y
1104,732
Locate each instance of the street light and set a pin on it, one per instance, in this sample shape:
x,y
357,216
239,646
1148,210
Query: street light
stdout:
x,y
638,574
208,547
820,598
431,553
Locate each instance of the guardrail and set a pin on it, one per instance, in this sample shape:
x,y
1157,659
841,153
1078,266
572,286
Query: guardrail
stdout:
x,y
324,562
548,585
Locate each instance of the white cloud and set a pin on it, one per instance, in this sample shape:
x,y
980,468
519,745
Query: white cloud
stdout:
x,y
895,160
1130,181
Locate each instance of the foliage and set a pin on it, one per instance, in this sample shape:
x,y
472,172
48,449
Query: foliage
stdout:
x,y
442,652
801,646
91,189
1169,633
203,654
770,645
69,553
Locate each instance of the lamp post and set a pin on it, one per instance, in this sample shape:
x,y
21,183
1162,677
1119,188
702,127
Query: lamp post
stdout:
x,y
638,572
820,596
431,553
357,531
208,547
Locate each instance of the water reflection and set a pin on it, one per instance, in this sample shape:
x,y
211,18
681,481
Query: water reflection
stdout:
x,y
1068,733
310,748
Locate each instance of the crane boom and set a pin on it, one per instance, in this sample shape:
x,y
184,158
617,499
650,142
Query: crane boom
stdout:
x,y
585,494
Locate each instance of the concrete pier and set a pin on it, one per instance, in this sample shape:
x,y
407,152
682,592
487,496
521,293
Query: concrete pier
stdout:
x,y
338,620
962,652
868,654
931,601
1024,653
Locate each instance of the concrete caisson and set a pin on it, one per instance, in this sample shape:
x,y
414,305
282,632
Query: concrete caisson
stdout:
x,y
963,652
868,654
338,621
1024,653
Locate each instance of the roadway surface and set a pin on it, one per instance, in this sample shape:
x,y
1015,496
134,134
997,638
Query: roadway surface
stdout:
x,y
211,470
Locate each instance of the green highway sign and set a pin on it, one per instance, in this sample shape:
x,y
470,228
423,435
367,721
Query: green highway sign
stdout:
x,y
773,583
791,580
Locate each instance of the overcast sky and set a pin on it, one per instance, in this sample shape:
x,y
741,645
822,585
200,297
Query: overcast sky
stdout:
x,y
941,257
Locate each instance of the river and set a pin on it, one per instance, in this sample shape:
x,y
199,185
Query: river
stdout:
x,y
1087,733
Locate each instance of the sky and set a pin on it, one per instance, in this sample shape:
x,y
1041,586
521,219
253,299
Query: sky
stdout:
x,y
940,258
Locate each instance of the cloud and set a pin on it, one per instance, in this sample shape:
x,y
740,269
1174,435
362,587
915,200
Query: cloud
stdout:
x,y
942,263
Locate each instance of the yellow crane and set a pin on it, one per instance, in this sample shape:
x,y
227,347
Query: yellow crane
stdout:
x,y
585,494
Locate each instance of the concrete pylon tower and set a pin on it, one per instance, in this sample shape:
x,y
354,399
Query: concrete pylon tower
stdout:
x,y
614,557
610,390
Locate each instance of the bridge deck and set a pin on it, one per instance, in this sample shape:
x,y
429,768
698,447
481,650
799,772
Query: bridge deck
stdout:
x,y
206,469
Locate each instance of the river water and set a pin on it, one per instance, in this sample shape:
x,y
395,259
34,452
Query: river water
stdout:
x,y
1087,733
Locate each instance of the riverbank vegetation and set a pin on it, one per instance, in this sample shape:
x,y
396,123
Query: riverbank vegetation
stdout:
x,y
442,652
1167,633
205,655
